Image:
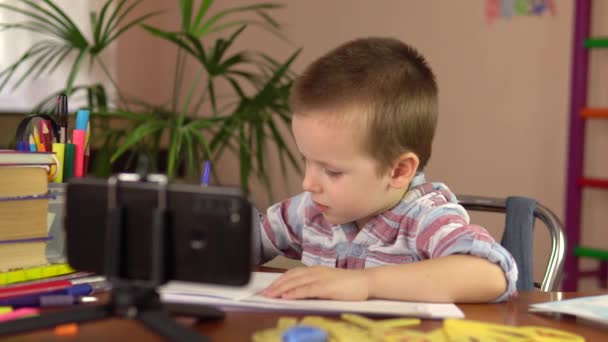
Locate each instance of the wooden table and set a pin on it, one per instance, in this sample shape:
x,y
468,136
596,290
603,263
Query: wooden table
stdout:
x,y
240,325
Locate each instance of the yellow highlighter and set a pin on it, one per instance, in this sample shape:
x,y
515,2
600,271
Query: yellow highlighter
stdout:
x,y
59,150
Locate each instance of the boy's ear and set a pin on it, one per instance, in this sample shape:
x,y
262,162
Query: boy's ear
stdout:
x,y
404,169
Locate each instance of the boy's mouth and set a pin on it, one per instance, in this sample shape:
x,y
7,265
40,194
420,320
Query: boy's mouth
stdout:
x,y
320,207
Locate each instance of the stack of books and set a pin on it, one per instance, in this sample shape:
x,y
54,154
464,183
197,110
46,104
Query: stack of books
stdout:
x,y
24,200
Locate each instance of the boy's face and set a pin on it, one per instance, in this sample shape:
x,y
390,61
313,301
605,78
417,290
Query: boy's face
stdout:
x,y
341,177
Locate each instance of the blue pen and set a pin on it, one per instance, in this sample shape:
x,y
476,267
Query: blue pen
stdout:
x,y
34,300
206,173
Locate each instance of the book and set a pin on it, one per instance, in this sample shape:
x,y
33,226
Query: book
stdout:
x,y
36,273
23,180
22,253
24,217
592,308
249,297
12,157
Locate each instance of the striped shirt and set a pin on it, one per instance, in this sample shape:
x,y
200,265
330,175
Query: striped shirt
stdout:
x,y
427,223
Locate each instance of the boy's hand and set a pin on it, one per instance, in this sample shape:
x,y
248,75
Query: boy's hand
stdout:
x,y
320,282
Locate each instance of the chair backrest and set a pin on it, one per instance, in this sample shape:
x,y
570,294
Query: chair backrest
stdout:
x,y
518,238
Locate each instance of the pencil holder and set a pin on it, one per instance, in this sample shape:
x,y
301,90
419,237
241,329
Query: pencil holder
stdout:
x,y
24,129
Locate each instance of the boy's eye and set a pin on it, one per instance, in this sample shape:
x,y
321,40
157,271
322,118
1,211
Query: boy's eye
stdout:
x,y
333,174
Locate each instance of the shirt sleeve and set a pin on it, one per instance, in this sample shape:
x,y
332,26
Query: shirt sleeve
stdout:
x,y
279,232
445,230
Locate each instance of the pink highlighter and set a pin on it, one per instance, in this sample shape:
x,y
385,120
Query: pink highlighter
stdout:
x,y
79,139
19,313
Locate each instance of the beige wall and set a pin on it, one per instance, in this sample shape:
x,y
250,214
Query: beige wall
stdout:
x,y
504,89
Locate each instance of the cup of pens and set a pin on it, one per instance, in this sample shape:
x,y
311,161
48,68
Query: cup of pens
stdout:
x,y
40,133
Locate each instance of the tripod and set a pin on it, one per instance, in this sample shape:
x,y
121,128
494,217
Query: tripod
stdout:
x,y
130,298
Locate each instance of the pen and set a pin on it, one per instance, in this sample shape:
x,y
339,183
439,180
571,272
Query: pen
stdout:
x,y
206,173
50,297
64,300
62,109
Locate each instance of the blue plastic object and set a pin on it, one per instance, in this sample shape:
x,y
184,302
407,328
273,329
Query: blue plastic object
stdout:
x,y
304,333
82,118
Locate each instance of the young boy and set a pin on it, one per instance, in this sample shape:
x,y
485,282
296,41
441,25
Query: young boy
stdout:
x,y
368,224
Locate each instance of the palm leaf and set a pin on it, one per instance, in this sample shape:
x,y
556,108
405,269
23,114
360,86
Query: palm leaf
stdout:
x,y
186,11
74,71
202,10
97,22
66,22
8,73
205,27
136,135
60,31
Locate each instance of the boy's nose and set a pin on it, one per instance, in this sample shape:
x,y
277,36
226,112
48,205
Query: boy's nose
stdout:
x,y
309,184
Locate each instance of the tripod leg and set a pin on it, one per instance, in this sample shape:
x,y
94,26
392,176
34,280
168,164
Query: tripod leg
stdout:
x,y
53,319
160,322
202,312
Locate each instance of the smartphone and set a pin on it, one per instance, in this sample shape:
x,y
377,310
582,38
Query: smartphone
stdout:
x,y
208,235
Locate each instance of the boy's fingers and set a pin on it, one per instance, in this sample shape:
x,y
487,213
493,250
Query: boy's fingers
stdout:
x,y
306,291
289,284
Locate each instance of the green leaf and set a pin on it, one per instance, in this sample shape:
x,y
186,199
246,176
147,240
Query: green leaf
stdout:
x,y
173,157
36,17
67,22
170,36
190,94
8,73
33,26
202,10
126,27
244,158
97,23
58,61
115,18
190,152
201,138
218,16
136,135
74,71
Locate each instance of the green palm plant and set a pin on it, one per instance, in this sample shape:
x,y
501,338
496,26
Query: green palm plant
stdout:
x,y
197,122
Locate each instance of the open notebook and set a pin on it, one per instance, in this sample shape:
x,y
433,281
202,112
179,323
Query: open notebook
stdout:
x,y
247,297
594,308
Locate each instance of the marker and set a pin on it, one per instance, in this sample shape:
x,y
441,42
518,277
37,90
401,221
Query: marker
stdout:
x,y
59,150
82,119
206,173
62,109
19,313
69,161
79,137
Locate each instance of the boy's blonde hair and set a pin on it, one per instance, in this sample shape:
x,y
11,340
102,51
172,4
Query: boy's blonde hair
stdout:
x,y
389,82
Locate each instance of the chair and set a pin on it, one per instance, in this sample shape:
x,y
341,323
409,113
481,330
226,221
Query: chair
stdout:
x,y
518,236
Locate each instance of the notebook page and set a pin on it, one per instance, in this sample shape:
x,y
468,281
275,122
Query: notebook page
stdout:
x,y
248,297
